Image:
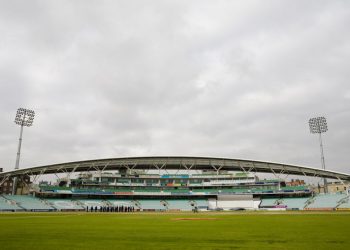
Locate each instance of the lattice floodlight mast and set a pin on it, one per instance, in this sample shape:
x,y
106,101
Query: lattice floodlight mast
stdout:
x,y
24,117
318,125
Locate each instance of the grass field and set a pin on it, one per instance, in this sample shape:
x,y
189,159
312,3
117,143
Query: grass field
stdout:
x,y
240,230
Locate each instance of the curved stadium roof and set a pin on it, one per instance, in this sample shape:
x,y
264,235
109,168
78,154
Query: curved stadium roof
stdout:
x,y
177,163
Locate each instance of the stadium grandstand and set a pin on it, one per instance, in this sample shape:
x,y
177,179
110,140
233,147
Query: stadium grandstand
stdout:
x,y
170,184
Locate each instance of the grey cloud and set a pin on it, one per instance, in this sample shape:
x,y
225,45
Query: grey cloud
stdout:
x,y
125,78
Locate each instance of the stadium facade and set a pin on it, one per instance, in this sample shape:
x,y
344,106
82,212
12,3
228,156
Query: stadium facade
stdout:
x,y
175,183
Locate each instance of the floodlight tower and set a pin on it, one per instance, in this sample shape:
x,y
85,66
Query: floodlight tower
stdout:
x,y
24,117
318,125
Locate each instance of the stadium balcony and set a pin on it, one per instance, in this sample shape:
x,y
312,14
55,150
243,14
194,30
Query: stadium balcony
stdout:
x,y
178,191
171,191
30,203
53,188
145,189
235,190
295,188
205,190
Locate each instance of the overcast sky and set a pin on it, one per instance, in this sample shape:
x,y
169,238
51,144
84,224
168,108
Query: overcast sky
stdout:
x,y
237,79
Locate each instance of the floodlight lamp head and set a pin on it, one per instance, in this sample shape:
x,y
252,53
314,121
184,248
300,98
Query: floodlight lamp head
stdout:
x,y
318,125
24,117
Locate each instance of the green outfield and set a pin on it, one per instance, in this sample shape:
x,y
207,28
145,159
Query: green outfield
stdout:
x,y
240,230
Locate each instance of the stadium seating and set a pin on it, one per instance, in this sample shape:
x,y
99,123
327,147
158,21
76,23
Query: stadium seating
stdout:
x,y
267,202
291,203
151,205
30,203
183,205
159,205
65,204
7,205
170,204
200,202
323,201
344,203
295,203
117,203
91,203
